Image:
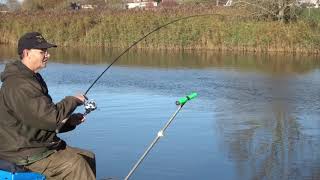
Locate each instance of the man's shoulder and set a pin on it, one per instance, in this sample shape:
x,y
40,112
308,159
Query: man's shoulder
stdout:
x,y
21,83
20,80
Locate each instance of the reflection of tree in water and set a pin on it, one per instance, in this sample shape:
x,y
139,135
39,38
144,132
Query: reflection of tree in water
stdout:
x,y
274,148
274,132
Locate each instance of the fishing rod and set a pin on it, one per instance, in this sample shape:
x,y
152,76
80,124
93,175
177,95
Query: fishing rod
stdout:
x,y
180,103
166,24
136,42
90,105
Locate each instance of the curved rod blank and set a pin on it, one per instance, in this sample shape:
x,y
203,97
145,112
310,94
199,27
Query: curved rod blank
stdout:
x,y
136,42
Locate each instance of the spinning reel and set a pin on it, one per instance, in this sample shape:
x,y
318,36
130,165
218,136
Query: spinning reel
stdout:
x,y
89,105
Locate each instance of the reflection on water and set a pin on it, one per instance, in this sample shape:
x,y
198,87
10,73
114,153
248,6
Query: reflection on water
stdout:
x,y
268,139
176,59
257,116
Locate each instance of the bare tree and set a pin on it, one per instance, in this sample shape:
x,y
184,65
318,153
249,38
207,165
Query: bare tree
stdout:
x,y
281,10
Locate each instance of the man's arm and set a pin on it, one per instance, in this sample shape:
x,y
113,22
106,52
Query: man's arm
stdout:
x,y
37,110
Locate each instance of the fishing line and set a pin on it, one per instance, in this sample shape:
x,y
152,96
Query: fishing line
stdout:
x,y
136,42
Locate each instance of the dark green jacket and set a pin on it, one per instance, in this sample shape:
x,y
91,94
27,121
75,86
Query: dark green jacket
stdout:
x,y
28,117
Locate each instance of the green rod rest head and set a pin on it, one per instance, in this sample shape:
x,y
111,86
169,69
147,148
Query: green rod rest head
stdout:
x,y
183,100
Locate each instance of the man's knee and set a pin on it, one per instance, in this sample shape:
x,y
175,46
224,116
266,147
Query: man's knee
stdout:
x,y
87,155
83,168
80,162
84,160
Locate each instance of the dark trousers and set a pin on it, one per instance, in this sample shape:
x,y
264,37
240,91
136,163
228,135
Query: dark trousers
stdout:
x,y
69,164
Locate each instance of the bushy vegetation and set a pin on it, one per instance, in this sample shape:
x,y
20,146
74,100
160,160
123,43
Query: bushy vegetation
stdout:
x,y
228,29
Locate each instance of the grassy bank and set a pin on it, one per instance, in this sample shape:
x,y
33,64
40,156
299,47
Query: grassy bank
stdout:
x,y
121,28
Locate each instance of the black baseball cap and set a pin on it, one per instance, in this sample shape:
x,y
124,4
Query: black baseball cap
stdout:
x,y
33,40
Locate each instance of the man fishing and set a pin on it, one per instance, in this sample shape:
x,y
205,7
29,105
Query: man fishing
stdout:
x,y
30,121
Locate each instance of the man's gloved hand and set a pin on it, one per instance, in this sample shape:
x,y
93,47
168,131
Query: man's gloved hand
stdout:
x,y
81,98
76,119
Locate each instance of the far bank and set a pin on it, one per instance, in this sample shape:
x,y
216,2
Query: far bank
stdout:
x,y
223,30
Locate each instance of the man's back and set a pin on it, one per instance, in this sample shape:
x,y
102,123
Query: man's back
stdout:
x,y
19,138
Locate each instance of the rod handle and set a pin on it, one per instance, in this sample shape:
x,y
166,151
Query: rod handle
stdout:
x,y
183,100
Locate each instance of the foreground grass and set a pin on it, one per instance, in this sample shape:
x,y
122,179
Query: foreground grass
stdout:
x,y
230,30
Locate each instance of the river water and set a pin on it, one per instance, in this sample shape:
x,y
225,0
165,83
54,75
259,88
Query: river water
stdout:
x,y
256,116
